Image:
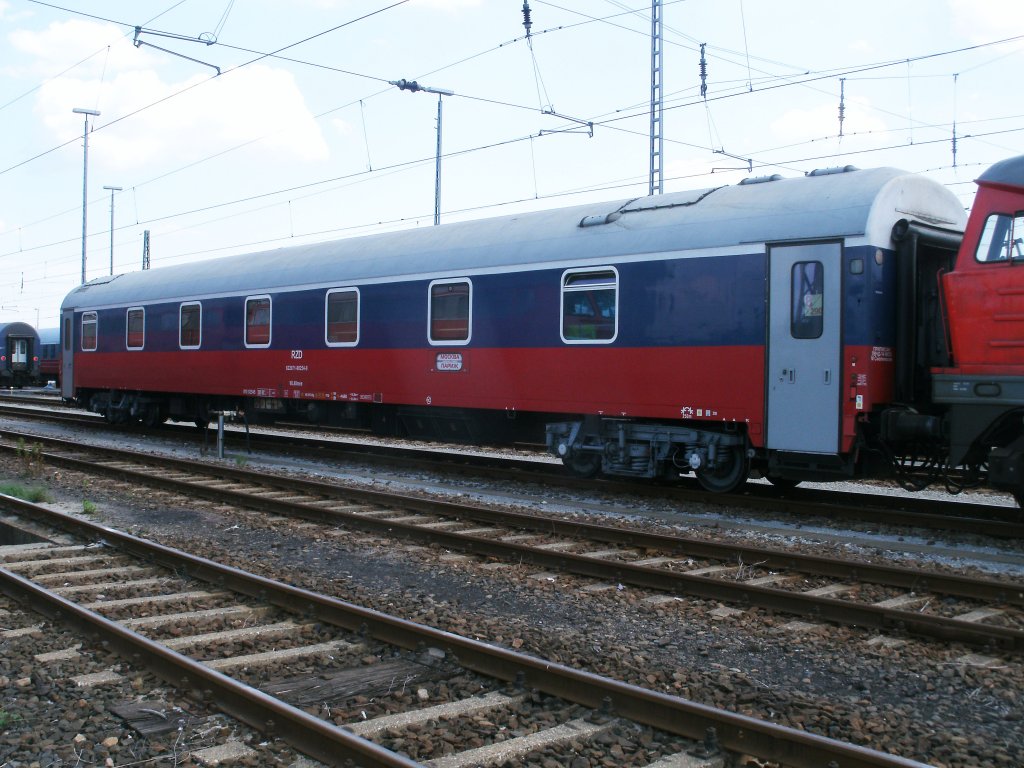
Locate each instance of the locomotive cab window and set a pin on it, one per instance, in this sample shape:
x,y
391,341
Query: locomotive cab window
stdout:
x,y
450,311
342,314
808,287
590,304
89,331
135,328
190,322
1002,239
257,321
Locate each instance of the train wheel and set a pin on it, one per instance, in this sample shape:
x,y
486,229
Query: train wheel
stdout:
x,y
153,417
585,465
730,473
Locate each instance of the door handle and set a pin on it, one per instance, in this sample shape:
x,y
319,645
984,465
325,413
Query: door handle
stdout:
x,y
828,376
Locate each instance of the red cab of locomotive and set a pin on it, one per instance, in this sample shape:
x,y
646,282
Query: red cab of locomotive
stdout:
x,y
982,385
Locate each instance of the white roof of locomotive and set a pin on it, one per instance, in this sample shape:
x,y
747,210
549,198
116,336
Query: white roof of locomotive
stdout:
x,y
859,204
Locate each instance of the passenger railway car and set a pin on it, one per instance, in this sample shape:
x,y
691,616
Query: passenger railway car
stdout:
x,y
49,356
19,355
824,327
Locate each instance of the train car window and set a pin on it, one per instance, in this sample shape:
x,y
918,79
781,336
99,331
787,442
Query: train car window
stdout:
x,y
450,311
135,333
807,320
341,315
89,331
190,324
590,303
67,334
257,321
1002,239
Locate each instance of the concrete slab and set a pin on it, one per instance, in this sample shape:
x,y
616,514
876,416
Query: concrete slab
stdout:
x,y
107,677
446,711
230,752
285,654
495,754
67,654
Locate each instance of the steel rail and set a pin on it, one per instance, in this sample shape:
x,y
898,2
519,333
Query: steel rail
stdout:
x,y
969,517
843,612
310,735
735,732
889,575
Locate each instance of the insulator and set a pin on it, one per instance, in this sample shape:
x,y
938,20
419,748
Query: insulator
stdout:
x,y
526,17
703,72
842,103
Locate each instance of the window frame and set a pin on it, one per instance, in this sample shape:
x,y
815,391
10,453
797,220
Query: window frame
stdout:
x,y
127,329
469,314
94,320
181,311
565,287
327,317
270,321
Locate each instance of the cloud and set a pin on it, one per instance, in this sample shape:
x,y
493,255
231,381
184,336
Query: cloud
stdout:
x,y
446,5
97,47
983,21
799,125
174,120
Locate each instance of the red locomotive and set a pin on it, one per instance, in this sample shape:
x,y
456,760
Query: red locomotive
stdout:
x,y
841,324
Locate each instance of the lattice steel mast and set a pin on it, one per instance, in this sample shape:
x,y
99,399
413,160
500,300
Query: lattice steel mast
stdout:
x,y
656,179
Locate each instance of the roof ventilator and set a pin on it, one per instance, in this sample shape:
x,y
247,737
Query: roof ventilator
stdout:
x,y
607,218
760,179
830,171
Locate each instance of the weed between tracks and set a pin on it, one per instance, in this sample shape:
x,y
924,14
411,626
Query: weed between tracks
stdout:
x,y
35,495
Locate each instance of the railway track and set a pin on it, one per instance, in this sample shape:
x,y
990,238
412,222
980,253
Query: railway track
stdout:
x,y
894,600
874,509
264,652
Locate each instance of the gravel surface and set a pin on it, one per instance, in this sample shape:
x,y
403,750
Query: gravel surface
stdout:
x,y
943,705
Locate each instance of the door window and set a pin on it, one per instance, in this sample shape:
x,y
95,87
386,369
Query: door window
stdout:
x,y
807,300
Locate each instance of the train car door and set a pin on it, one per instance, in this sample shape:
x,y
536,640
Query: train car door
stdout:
x,y
804,348
67,353
19,354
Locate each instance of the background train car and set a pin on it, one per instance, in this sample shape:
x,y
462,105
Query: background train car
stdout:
x,y
49,356
19,355
786,327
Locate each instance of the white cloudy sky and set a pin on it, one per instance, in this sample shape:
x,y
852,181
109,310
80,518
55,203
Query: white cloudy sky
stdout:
x,y
316,145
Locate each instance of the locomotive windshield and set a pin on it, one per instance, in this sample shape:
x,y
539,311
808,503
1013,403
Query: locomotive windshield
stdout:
x,y
1002,238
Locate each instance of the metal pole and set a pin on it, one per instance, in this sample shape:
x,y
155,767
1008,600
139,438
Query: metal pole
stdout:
x,y
220,434
112,191
413,86
85,177
437,167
